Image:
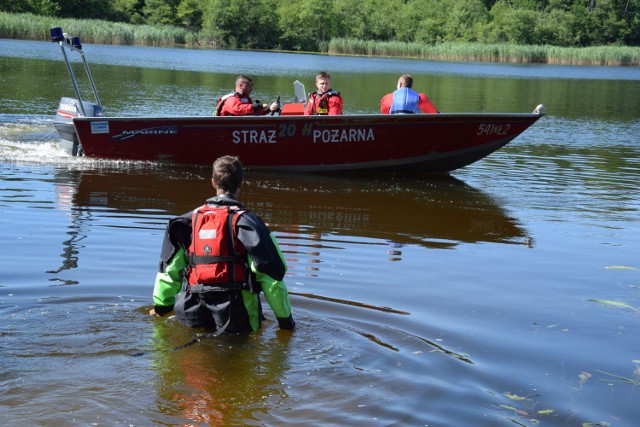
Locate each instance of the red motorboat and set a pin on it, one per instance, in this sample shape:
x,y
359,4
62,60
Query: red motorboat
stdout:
x,y
289,141
416,142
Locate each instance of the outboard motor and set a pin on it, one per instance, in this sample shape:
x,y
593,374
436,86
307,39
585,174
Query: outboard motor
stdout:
x,y
68,108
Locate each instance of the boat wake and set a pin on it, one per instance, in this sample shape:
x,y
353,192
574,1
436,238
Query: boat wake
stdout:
x,y
32,139
29,139
31,152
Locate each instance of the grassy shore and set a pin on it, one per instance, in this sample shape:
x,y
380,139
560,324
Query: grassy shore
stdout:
x,y
539,54
33,27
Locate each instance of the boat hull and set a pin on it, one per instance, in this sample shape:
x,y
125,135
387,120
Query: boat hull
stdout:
x,y
408,143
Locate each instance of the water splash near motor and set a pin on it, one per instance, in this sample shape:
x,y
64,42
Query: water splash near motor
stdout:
x,y
29,139
33,140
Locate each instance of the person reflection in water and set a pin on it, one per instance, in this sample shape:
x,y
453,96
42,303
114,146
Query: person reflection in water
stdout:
x,y
217,259
219,382
405,100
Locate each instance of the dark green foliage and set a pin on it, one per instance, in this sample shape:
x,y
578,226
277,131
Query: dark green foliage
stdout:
x,y
310,25
242,23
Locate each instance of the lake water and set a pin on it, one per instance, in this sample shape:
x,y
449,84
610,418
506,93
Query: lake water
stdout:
x,y
506,294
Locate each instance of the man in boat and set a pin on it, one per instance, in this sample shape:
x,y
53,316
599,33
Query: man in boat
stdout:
x,y
325,101
239,103
406,100
216,259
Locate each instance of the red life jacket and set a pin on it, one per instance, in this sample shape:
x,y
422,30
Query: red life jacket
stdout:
x,y
221,102
223,99
322,102
216,256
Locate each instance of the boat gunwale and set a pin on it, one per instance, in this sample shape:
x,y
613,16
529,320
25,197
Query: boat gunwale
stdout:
x,y
388,117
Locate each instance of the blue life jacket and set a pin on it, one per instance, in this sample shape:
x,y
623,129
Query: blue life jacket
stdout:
x,y
405,100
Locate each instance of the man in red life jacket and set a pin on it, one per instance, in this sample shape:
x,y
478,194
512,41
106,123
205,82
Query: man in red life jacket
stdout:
x,y
216,259
406,100
325,101
239,103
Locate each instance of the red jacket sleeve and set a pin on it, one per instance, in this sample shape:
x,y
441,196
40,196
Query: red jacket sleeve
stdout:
x,y
425,105
385,103
335,105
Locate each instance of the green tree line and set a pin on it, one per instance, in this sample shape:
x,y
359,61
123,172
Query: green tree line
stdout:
x,y
310,25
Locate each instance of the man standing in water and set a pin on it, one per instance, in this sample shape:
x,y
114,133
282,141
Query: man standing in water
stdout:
x,y
406,100
221,256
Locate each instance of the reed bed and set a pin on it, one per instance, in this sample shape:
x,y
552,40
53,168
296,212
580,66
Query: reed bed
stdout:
x,y
35,27
540,54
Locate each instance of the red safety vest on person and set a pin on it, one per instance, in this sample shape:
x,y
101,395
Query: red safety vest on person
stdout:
x,y
238,105
328,103
216,256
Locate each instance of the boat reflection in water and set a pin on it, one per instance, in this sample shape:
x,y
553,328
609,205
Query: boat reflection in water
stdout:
x,y
308,213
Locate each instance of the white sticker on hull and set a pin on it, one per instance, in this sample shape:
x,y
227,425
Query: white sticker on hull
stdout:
x,y
99,127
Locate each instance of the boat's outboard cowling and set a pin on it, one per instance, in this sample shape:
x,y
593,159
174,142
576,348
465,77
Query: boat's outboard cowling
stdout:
x,y
68,108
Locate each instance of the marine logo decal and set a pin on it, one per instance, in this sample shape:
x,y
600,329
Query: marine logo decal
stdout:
x,y
155,131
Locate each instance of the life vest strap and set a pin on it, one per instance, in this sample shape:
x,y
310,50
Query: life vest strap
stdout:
x,y
210,259
219,287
